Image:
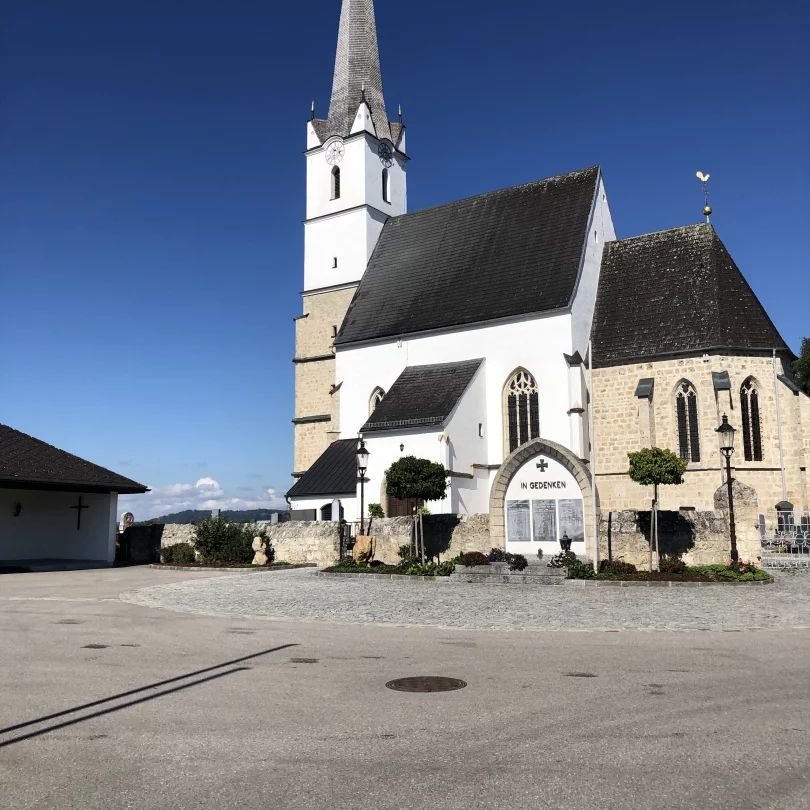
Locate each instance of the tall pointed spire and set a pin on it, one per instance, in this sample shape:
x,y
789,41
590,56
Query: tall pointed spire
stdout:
x,y
357,71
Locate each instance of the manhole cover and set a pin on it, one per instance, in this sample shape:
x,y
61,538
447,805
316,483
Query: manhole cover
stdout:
x,y
426,683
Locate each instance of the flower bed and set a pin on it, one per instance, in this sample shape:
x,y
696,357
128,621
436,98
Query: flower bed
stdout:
x,y
672,570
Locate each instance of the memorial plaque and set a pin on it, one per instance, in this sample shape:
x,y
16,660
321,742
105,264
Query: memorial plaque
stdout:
x,y
544,520
572,520
518,521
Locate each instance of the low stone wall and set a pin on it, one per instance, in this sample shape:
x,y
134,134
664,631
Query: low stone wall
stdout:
x,y
174,533
446,536
698,538
305,542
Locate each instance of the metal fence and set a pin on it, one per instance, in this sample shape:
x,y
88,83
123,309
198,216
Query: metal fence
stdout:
x,y
786,541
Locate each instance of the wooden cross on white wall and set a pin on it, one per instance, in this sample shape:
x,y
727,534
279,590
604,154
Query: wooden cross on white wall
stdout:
x,y
79,506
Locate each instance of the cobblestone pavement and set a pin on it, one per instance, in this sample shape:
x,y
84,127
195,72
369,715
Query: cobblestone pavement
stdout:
x,y
300,595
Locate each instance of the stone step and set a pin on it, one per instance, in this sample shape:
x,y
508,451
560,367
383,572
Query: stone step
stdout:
x,y
508,579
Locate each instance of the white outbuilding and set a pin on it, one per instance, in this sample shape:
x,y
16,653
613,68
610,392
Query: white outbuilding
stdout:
x,y
56,509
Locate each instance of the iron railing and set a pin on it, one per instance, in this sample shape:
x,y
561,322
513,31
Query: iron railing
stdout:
x,y
786,541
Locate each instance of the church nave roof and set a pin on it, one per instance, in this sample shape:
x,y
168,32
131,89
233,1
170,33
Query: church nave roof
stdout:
x,y
506,253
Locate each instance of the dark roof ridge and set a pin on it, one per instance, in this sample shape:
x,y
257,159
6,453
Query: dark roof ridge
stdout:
x,y
695,226
495,192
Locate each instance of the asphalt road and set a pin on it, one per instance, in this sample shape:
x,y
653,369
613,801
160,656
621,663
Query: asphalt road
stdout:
x,y
113,705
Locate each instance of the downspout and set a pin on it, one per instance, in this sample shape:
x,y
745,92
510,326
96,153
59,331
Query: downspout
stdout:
x,y
592,457
779,428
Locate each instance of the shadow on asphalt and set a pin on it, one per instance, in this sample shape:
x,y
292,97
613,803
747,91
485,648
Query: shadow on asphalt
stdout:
x,y
48,717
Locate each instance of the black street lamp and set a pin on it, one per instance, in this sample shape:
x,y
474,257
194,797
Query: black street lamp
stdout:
x,y
362,466
726,435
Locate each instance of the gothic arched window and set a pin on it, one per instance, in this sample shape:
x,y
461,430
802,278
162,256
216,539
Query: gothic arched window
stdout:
x,y
376,398
386,186
751,425
522,406
336,183
687,414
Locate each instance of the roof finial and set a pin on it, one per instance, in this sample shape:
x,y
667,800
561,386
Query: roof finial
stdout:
x,y
312,111
399,112
707,209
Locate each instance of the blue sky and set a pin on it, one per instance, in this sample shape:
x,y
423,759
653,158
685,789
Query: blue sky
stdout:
x,y
152,189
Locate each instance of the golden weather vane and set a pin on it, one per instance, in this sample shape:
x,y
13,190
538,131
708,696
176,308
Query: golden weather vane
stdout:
x,y
707,209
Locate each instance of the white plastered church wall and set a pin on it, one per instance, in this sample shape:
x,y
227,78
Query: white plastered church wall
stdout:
x,y
601,230
537,344
45,528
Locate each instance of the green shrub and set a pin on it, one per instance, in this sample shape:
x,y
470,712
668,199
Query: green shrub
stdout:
x,y
618,568
736,572
575,567
562,560
432,569
178,554
498,555
517,562
472,558
672,565
375,510
408,556
230,544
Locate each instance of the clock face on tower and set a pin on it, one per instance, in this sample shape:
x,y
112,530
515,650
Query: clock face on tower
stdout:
x,y
335,152
386,154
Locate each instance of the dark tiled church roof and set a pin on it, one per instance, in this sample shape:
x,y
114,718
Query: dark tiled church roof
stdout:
x,y
334,473
423,396
29,463
506,253
357,66
675,292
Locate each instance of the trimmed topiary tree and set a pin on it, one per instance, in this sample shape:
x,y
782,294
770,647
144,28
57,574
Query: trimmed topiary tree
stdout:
x,y
654,466
416,480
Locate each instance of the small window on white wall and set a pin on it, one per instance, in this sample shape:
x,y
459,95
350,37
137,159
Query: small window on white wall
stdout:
x,y
386,185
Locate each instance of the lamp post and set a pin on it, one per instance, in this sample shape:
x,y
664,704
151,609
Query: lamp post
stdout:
x,y
362,466
726,435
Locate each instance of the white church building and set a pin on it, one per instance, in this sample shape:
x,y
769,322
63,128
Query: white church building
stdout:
x,y
459,334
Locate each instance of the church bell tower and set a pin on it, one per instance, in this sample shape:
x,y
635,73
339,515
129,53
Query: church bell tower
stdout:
x,y
356,180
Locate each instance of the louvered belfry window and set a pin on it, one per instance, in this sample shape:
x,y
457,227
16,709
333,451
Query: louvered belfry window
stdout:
x,y
687,414
522,409
751,424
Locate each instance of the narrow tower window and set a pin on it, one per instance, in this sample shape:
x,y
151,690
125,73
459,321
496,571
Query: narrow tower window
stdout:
x,y
336,183
386,186
522,406
751,424
687,416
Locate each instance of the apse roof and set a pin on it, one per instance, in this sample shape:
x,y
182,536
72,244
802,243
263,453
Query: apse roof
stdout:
x,y
675,292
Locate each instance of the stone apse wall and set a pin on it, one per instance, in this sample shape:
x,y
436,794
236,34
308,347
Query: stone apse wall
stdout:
x,y
624,423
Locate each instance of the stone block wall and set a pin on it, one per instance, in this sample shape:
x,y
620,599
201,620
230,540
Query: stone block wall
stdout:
x,y
697,537
621,427
174,533
295,541
305,542
315,378
446,536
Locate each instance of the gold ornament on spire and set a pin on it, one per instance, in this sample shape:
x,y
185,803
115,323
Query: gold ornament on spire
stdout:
x,y
707,209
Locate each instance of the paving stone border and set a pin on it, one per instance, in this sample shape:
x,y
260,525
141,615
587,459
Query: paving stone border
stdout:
x,y
592,583
238,569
